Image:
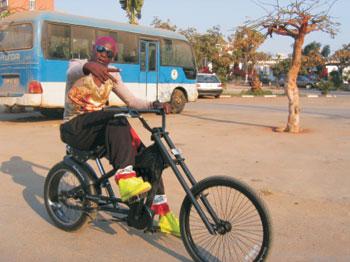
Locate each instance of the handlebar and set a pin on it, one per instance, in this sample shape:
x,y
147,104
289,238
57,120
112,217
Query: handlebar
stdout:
x,y
137,113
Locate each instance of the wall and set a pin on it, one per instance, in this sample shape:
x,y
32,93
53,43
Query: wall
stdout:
x,y
23,5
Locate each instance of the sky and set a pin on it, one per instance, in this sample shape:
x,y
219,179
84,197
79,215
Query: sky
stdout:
x,y
204,14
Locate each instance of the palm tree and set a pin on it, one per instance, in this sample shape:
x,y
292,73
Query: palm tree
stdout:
x,y
133,9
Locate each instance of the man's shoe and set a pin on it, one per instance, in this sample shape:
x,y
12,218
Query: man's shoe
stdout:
x,y
130,185
169,224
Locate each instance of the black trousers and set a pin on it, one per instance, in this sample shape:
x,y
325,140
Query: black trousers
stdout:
x,y
89,130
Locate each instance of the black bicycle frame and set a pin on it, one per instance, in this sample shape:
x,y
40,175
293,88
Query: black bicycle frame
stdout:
x,y
157,135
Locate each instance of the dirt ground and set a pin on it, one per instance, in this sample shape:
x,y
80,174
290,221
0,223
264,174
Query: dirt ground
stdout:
x,y
303,179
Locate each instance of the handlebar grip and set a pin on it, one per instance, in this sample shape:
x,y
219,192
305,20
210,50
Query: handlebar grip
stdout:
x,y
131,111
116,109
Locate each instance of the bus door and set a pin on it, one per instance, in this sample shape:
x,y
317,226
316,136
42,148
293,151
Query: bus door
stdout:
x,y
149,67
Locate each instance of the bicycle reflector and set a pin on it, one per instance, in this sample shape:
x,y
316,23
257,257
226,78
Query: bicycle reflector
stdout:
x,y
34,87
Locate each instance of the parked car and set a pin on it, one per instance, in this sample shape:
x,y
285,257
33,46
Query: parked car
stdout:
x,y
208,85
267,79
302,81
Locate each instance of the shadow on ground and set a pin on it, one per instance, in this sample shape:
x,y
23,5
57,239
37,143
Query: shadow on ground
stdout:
x,y
25,117
227,121
22,173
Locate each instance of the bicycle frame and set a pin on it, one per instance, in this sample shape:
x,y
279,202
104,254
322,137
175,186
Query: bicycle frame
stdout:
x,y
157,135
162,139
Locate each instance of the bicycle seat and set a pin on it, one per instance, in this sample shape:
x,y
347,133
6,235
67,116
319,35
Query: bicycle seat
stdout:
x,y
82,156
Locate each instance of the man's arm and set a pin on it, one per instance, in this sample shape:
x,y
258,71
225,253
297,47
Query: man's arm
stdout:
x,y
75,70
127,96
132,101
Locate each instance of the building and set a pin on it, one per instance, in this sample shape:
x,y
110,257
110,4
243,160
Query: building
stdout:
x,y
15,6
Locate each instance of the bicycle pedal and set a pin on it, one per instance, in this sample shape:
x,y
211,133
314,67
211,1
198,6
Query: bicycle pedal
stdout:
x,y
153,229
133,200
137,198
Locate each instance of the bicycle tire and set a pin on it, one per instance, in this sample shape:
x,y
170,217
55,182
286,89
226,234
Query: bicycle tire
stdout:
x,y
58,209
197,238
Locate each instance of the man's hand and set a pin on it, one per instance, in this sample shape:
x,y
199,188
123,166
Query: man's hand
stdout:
x,y
165,106
91,108
100,71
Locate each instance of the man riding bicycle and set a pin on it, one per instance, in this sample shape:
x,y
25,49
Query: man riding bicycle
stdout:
x,y
86,126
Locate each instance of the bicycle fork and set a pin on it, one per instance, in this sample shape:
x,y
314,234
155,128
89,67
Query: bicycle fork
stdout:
x,y
157,137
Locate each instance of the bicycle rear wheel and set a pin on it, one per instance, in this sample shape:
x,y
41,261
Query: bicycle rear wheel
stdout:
x,y
243,233
64,195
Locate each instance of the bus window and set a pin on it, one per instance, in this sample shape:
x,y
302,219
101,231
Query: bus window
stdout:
x,y
143,57
183,54
176,53
128,48
82,40
166,52
15,37
58,41
152,56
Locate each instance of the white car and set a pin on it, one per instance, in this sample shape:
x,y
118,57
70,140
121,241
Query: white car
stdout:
x,y
208,85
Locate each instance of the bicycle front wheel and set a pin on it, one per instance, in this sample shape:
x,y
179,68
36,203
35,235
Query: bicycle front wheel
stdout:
x,y
242,230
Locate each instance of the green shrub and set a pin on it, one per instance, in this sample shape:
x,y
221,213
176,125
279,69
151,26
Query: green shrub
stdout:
x,y
325,86
258,92
336,79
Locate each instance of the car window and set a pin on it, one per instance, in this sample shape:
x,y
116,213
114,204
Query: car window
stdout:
x,y
207,79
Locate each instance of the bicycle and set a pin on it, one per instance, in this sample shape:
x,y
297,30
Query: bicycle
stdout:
x,y
221,219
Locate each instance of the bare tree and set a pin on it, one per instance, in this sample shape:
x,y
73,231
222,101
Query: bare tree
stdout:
x,y
296,19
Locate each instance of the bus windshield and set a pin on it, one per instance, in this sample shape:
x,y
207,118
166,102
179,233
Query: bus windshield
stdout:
x,y
16,37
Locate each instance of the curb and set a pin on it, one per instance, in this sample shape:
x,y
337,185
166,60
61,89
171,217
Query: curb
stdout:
x,y
274,96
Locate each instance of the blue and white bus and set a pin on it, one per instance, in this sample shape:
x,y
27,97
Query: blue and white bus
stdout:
x,y
35,49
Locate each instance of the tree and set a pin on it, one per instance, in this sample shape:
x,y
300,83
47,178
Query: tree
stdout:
x,y
342,58
326,51
158,23
210,47
281,67
3,14
296,20
214,47
133,9
245,42
313,58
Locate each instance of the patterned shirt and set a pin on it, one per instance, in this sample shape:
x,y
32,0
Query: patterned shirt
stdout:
x,y
84,95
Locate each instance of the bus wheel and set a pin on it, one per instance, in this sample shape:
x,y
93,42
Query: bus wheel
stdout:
x,y
178,101
52,112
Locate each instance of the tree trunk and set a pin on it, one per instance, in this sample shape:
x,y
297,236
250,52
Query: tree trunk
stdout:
x,y
292,90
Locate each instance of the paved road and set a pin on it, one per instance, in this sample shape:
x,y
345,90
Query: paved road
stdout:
x,y
303,179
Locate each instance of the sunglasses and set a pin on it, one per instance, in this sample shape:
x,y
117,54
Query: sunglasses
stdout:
x,y
101,49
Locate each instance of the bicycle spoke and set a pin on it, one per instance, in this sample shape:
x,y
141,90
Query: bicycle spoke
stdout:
x,y
244,238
